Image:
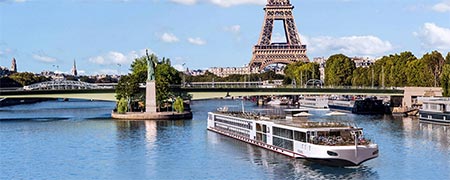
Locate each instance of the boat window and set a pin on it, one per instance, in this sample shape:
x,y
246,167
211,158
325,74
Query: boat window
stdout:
x,y
258,136
307,136
282,132
264,128
258,127
283,143
300,136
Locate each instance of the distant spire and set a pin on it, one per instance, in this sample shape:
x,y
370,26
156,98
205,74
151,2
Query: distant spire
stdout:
x,y
74,68
13,66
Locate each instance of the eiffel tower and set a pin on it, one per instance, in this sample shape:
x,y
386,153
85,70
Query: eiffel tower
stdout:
x,y
266,52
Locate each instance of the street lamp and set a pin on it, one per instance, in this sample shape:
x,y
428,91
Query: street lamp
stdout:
x,y
118,68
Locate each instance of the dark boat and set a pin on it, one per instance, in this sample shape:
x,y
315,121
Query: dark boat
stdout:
x,y
368,106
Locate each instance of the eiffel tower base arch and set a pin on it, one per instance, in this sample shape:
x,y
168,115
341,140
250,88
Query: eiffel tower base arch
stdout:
x,y
266,52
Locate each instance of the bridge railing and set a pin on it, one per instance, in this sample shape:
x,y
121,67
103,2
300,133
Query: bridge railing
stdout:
x,y
257,84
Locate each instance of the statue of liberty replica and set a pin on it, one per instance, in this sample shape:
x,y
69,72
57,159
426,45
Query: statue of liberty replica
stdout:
x,y
150,92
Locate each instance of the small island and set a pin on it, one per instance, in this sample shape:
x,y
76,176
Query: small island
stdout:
x,y
157,101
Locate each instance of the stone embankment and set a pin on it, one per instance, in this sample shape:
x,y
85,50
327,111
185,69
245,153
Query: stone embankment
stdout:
x,y
152,116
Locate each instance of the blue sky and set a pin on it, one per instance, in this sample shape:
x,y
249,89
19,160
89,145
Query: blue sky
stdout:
x,y
100,34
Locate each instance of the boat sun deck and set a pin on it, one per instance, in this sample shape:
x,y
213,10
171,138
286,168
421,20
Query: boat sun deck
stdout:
x,y
322,133
279,119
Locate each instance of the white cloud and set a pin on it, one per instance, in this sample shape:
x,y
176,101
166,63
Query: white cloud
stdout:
x,y
228,3
351,45
169,38
44,58
185,2
7,51
197,41
433,36
443,6
114,57
179,67
233,28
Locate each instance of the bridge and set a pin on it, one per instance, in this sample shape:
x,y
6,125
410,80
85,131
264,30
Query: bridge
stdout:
x,y
89,94
208,93
199,93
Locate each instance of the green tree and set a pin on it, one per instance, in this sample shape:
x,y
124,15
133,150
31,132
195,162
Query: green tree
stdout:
x,y
397,69
127,87
165,76
418,74
8,82
339,70
301,72
445,80
122,106
27,78
447,59
179,105
362,77
434,62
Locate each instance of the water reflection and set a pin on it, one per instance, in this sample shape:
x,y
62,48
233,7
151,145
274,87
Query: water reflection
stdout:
x,y
139,145
437,133
144,131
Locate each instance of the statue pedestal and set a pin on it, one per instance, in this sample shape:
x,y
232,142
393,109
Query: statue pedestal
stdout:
x,y
150,97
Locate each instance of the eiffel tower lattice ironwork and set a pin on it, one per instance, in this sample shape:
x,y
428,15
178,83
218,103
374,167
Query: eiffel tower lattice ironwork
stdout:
x,y
266,52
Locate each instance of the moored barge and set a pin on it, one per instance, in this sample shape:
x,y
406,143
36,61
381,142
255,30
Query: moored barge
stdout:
x,y
435,110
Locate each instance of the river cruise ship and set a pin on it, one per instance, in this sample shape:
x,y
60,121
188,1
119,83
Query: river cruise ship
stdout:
x,y
331,143
316,102
435,110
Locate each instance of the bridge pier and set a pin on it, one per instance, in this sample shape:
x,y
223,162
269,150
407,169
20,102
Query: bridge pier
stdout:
x,y
411,93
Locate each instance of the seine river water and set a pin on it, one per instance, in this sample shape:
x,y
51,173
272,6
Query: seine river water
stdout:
x,y
78,140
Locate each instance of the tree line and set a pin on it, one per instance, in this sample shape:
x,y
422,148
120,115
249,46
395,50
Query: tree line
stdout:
x,y
209,77
395,70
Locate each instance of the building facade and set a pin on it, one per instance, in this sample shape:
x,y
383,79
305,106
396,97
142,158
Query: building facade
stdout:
x,y
364,62
226,71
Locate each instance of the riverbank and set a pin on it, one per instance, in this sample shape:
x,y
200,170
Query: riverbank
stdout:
x,y
17,101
